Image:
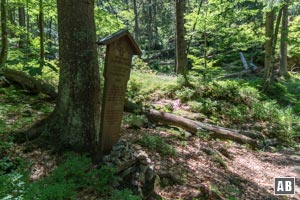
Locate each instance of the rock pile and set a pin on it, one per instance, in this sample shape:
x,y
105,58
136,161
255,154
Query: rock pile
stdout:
x,y
133,164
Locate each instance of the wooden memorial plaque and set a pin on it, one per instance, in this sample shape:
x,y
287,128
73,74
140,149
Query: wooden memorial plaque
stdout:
x,y
120,49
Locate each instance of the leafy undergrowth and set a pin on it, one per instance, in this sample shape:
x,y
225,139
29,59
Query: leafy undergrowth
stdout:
x,y
29,173
234,103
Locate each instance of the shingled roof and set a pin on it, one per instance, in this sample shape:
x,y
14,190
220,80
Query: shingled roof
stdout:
x,y
120,34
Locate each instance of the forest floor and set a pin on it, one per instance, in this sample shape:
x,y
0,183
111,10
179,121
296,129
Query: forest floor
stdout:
x,y
243,174
228,170
235,172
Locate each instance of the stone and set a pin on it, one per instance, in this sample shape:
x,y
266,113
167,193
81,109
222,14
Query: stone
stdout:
x,y
143,168
127,172
142,178
150,173
107,158
118,147
141,155
146,161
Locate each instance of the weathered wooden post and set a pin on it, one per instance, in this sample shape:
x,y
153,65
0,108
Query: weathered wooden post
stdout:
x,y
119,51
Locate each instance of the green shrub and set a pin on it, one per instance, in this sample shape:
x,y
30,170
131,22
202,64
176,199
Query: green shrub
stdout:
x,y
195,106
185,94
223,90
124,195
135,121
156,143
139,64
74,174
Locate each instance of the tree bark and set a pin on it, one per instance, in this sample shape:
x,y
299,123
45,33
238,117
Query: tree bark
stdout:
x,y
41,33
269,27
76,117
29,83
181,55
4,39
283,41
194,127
136,21
22,24
75,121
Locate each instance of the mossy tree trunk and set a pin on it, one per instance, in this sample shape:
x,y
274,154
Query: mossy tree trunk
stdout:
x,y
74,123
4,39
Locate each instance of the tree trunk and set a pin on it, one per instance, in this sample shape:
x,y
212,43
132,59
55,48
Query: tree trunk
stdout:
x,y
283,41
41,33
149,26
11,15
22,24
4,39
269,27
27,29
75,121
136,21
181,56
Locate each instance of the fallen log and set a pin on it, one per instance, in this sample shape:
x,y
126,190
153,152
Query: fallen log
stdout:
x,y
29,82
194,126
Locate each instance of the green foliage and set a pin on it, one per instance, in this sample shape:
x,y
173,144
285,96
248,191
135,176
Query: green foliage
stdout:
x,y
134,121
124,195
74,175
223,25
143,86
185,94
140,65
155,142
71,176
237,102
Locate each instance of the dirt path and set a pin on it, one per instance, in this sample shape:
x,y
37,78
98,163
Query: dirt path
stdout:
x,y
246,174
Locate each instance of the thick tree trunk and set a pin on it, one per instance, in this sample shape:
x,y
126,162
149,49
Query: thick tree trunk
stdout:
x,y
283,41
4,39
269,27
181,56
75,121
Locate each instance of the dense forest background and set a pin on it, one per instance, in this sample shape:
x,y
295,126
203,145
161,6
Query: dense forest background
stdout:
x,y
229,66
215,31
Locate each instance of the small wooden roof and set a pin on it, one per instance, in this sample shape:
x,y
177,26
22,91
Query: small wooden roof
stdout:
x,y
120,34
